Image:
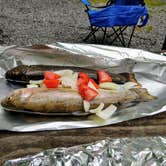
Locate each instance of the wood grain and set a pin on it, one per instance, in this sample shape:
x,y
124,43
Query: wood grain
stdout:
x,y
14,145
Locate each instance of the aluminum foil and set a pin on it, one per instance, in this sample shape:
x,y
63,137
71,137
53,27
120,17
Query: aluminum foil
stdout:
x,y
109,152
149,69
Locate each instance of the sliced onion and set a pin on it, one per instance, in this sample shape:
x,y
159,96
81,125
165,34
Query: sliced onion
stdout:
x,y
75,78
69,81
86,106
90,84
129,85
109,85
107,113
66,82
32,86
64,72
98,109
37,82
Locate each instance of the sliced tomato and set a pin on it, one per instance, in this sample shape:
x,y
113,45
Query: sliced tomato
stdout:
x,y
94,83
48,75
86,92
81,89
81,82
51,83
103,76
89,94
84,76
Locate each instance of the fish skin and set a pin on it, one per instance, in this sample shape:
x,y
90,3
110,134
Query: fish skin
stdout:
x,y
67,100
26,73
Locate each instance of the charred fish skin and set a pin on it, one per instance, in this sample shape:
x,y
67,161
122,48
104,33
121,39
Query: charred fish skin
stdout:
x,y
36,72
66,100
26,73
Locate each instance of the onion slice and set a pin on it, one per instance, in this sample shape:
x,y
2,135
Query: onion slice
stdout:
x,y
129,85
64,72
98,109
86,106
107,113
69,81
37,82
109,86
90,84
32,86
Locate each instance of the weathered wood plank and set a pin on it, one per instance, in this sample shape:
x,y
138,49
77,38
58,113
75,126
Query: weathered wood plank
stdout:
x,y
13,145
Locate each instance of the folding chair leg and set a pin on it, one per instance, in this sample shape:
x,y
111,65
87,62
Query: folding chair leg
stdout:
x,y
118,35
88,36
131,36
104,35
91,33
121,33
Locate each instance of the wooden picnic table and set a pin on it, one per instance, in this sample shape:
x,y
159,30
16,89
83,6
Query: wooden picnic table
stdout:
x,y
14,145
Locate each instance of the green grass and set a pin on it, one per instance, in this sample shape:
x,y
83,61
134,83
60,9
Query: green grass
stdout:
x,y
155,3
150,3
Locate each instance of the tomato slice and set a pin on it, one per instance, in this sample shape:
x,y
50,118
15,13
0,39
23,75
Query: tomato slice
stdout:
x,y
51,83
48,75
84,76
89,94
81,89
94,83
86,92
103,76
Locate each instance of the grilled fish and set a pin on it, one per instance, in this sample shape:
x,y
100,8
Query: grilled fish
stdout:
x,y
63,100
25,73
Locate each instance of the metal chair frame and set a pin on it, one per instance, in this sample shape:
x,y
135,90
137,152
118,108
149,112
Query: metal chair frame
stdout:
x,y
118,32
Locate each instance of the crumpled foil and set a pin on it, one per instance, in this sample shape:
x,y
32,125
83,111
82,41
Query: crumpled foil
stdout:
x,y
149,69
145,151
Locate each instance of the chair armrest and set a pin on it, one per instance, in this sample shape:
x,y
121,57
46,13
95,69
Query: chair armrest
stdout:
x,y
86,2
110,2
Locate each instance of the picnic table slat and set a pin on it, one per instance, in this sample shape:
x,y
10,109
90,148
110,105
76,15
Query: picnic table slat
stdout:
x,y
14,145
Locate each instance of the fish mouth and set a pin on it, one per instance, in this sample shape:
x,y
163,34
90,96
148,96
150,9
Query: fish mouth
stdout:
x,y
7,103
16,74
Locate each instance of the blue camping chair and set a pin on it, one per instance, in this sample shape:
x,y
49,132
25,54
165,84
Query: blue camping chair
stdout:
x,y
118,15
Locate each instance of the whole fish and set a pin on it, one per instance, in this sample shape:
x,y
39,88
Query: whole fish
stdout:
x,y
25,73
67,100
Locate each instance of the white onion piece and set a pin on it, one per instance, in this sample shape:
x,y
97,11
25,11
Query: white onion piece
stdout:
x,y
69,81
90,84
107,113
109,85
75,78
98,109
129,85
86,106
37,82
32,86
66,82
64,72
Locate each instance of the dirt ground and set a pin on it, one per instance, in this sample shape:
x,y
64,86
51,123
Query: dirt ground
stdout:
x,y
40,21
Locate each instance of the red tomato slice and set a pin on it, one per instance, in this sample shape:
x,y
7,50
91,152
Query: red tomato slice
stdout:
x,y
103,76
84,76
86,92
82,89
51,83
81,81
94,83
89,94
48,75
